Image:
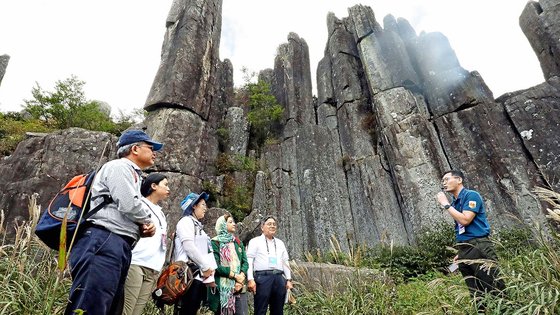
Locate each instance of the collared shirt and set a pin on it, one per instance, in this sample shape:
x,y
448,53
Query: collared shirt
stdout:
x,y
470,200
265,254
150,251
121,180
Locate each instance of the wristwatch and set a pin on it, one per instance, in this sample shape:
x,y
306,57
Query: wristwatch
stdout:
x,y
447,206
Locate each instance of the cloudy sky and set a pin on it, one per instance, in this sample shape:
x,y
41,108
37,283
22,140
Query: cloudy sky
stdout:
x,y
115,45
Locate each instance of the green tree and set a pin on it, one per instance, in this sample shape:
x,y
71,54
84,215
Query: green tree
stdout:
x,y
265,114
67,106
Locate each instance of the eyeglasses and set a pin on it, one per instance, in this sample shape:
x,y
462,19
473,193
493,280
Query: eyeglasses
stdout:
x,y
446,179
147,146
270,224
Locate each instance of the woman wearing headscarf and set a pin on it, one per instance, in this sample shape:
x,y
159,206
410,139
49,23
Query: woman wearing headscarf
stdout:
x,y
227,298
148,256
192,243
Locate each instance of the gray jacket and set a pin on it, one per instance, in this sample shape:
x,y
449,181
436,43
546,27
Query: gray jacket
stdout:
x,y
121,180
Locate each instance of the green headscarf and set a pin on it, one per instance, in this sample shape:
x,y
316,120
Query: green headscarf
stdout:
x,y
228,258
222,235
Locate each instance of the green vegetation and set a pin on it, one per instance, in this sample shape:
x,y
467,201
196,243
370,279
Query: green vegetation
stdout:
x,y
32,284
13,127
403,263
264,115
264,112
529,263
62,108
239,181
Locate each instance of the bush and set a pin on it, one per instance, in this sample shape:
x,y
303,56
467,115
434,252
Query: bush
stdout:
x,y
13,127
513,242
432,253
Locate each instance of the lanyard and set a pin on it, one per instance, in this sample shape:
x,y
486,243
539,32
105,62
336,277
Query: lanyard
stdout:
x,y
155,214
266,242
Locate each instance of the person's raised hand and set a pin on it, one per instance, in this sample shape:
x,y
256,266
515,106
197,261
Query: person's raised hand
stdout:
x,y
442,198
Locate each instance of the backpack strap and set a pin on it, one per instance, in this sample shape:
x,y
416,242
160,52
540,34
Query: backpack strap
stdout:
x,y
106,200
169,255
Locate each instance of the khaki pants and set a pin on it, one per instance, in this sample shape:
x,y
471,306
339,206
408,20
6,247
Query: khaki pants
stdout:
x,y
140,283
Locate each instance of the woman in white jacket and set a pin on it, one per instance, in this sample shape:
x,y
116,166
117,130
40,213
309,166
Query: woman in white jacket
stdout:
x,y
148,256
192,243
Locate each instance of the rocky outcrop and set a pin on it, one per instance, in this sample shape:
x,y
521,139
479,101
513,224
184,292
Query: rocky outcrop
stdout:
x,y
535,115
399,110
4,59
539,22
336,279
186,76
292,80
360,164
236,129
43,164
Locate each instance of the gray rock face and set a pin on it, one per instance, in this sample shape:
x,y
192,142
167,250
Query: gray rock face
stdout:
x,y
415,157
382,51
4,59
187,73
539,22
535,114
481,141
191,146
43,164
292,80
237,126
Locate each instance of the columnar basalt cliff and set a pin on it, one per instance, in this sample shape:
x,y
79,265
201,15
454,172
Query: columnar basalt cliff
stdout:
x,y
359,163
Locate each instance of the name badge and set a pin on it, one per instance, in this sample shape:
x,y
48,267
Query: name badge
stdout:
x,y
164,241
461,228
272,262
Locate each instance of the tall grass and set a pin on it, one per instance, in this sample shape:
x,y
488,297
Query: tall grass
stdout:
x,y
529,263
30,282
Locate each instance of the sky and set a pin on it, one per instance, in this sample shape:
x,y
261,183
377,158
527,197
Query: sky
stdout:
x,y
114,46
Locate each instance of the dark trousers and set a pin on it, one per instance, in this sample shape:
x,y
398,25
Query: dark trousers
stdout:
x,y
191,301
480,278
271,290
99,263
241,304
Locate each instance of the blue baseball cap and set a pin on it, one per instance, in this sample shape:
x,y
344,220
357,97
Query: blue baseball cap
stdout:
x,y
191,200
134,136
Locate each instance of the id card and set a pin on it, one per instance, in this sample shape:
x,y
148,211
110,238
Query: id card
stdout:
x,y
164,241
272,262
461,228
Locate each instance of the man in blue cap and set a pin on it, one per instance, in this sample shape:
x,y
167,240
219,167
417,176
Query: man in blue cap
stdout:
x,y
101,256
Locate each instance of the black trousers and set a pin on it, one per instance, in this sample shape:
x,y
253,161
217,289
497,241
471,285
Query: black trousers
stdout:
x,y
191,301
480,277
271,290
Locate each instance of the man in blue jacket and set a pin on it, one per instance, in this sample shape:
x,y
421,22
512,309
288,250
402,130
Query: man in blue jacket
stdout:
x,y
471,232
